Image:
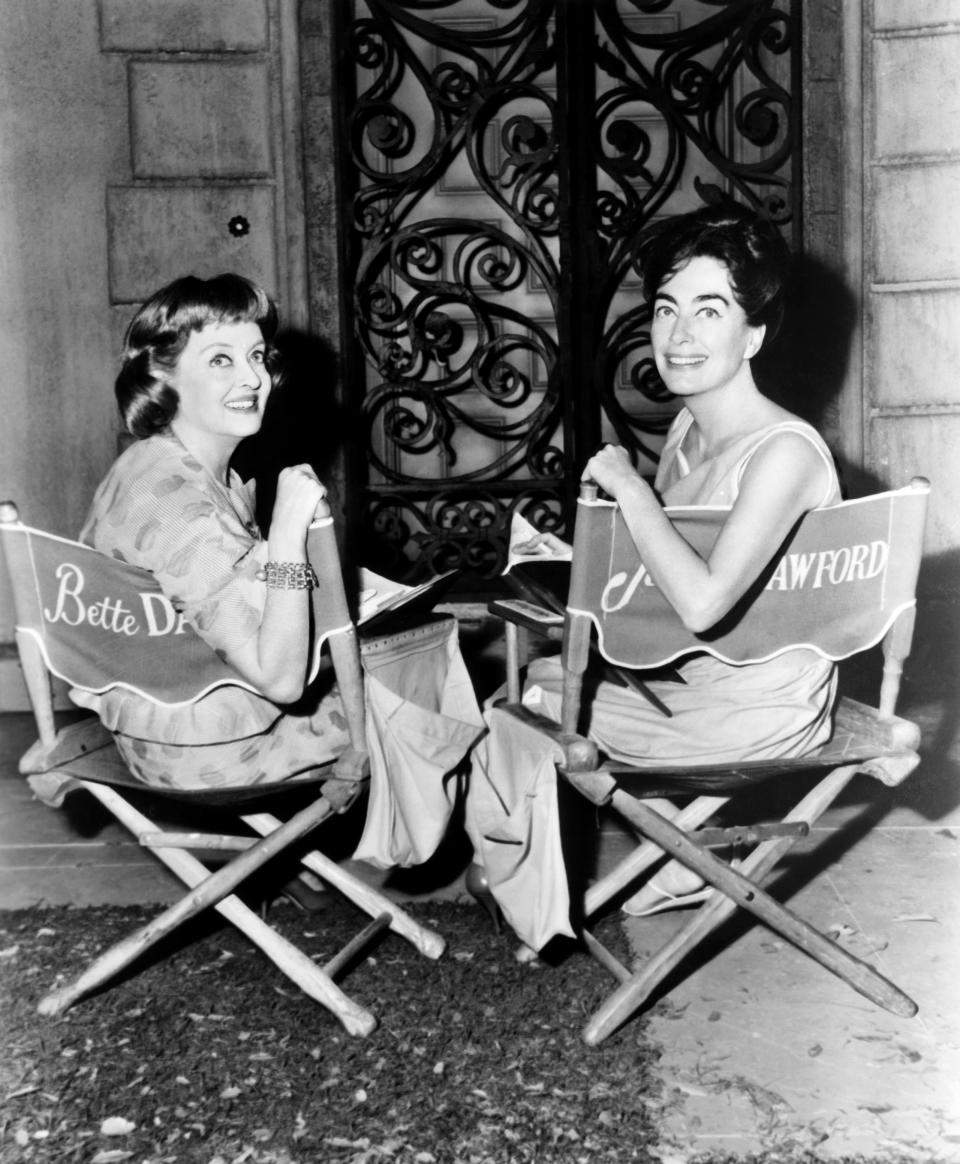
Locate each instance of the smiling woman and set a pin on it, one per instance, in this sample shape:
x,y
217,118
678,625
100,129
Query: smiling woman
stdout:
x,y
701,337
198,369
715,278
222,385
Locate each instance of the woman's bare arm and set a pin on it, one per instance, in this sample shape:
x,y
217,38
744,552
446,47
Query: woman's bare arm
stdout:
x,y
784,479
277,659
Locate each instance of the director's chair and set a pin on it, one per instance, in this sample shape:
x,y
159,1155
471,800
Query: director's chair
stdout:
x,y
97,622
843,582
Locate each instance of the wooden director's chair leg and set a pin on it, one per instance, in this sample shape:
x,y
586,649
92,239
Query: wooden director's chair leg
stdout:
x,y
370,900
216,889
733,889
625,872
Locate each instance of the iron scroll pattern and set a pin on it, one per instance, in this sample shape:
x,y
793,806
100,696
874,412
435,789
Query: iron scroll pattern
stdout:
x,y
459,317
441,304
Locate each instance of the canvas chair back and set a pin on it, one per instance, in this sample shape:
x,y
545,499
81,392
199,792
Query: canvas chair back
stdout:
x,y
99,623
843,581
843,578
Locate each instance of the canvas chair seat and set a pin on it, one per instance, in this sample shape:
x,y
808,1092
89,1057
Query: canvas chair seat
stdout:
x,y
96,622
874,547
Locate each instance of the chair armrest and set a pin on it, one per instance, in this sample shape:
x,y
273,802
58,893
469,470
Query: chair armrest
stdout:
x,y
579,753
352,765
526,614
865,724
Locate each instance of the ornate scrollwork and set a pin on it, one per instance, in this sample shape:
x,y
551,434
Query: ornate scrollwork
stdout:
x,y
471,389
709,80
477,529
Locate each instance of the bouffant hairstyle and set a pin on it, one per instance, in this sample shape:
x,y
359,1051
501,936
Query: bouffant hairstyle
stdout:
x,y
751,248
159,332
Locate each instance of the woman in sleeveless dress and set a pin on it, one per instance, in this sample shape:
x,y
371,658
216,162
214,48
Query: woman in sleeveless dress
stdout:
x,y
715,279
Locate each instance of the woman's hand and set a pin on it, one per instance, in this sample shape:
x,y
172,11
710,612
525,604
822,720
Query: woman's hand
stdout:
x,y
612,470
299,492
544,544
277,661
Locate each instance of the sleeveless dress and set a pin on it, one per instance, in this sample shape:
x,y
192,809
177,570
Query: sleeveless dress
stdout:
x,y
781,707
721,711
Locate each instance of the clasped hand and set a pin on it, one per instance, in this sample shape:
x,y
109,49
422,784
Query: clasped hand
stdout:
x,y
299,493
612,470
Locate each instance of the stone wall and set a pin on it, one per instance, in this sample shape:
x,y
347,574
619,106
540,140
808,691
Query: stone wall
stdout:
x,y
138,142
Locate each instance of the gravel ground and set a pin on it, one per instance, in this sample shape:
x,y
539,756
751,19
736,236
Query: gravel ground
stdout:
x,y
209,1054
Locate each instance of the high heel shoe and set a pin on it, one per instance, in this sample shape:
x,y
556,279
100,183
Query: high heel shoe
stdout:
x,y
307,892
478,887
673,887
658,900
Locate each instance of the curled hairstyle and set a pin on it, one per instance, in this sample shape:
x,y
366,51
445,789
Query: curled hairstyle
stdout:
x,y
752,249
159,332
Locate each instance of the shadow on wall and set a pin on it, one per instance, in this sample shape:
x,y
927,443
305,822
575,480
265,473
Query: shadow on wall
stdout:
x,y
305,421
804,369
932,673
931,676
805,366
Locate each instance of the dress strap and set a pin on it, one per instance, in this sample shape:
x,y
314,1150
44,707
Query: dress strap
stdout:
x,y
684,423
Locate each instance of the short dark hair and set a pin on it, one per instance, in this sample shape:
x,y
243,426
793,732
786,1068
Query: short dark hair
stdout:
x,y
159,332
751,248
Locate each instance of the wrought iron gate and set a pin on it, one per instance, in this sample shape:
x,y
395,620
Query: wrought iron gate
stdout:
x,y
497,159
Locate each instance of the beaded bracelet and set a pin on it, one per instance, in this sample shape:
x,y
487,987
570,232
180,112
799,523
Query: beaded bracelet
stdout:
x,y
289,576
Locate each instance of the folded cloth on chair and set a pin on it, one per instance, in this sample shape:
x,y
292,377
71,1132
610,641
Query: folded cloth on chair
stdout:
x,y
422,719
512,819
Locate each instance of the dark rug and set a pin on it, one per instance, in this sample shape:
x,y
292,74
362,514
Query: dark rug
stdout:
x,y
209,1054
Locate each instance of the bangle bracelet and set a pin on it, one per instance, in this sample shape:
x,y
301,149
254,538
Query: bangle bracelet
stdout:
x,y
288,576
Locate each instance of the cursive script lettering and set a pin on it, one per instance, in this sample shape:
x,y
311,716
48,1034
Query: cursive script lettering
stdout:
x,y
610,600
70,608
110,614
